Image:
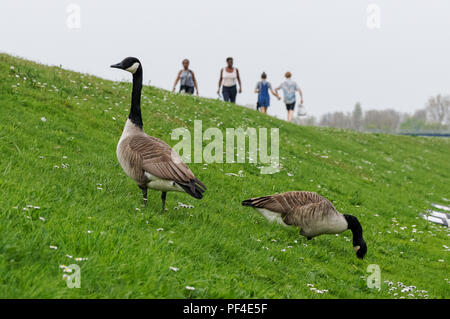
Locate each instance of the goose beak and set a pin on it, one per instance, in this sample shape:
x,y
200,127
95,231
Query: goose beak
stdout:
x,y
117,66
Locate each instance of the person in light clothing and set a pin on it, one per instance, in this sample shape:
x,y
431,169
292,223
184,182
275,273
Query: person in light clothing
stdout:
x,y
289,88
262,88
187,79
228,77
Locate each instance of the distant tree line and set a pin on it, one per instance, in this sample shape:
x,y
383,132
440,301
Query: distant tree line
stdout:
x,y
434,117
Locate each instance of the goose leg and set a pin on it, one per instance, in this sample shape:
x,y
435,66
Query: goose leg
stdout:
x,y
144,195
302,233
163,198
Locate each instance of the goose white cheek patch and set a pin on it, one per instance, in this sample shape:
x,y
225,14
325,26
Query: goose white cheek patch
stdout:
x,y
133,68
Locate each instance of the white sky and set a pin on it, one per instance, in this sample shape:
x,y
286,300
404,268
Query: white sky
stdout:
x,y
326,44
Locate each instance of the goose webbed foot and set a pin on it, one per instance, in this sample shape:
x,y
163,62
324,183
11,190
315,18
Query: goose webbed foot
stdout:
x,y
163,198
308,238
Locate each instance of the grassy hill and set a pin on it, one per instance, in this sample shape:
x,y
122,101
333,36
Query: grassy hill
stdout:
x,y
88,208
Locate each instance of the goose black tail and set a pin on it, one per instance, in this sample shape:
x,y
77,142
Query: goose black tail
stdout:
x,y
195,188
257,201
247,202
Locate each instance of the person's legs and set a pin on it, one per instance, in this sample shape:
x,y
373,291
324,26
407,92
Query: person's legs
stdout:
x,y
226,93
233,93
290,115
264,103
189,89
290,108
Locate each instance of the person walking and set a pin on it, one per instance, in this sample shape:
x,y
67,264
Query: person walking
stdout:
x,y
187,79
228,77
289,88
262,88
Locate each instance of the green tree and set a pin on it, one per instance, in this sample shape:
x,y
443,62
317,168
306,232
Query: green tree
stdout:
x,y
357,117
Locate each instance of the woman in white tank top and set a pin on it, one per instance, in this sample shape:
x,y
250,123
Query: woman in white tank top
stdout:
x,y
228,77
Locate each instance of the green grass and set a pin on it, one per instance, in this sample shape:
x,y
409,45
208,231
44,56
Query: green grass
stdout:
x,y
222,249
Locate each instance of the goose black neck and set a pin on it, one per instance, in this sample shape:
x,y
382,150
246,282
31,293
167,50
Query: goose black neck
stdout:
x,y
135,111
356,228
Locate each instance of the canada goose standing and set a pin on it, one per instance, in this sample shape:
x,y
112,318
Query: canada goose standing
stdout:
x,y
146,159
314,214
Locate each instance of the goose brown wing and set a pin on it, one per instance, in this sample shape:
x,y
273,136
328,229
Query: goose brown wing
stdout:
x,y
160,160
309,213
284,202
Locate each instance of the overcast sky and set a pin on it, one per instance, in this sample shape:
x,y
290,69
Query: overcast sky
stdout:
x,y
334,55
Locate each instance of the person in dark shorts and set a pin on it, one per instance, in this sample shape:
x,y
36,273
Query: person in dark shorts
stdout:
x,y
262,88
289,88
187,79
228,77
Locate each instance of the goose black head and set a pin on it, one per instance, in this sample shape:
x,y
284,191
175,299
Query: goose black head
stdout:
x,y
129,64
360,249
359,245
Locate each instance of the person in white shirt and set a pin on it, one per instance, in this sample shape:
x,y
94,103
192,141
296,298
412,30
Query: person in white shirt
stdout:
x,y
228,77
289,88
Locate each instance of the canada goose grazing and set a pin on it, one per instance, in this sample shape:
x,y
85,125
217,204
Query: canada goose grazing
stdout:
x,y
146,159
314,214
